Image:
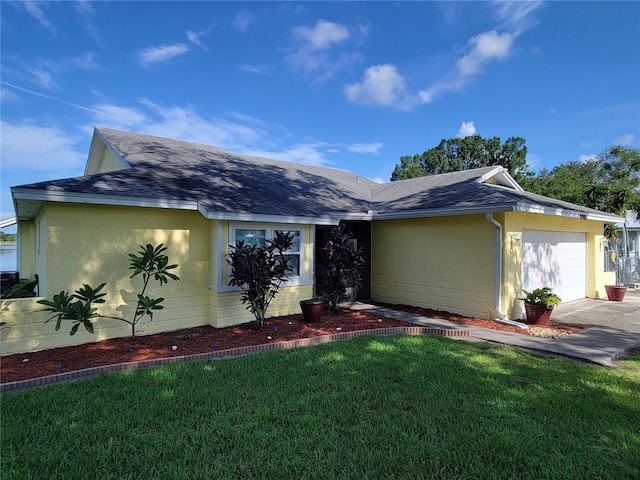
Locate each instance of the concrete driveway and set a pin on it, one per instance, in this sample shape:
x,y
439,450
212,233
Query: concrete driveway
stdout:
x,y
623,316
613,328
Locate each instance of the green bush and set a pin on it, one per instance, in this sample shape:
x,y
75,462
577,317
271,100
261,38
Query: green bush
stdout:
x,y
260,271
78,307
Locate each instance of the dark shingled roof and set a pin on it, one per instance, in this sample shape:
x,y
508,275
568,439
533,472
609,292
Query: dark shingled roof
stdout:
x,y
221,182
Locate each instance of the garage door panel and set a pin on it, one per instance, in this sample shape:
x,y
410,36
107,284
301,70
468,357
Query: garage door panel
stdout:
x,y
557,260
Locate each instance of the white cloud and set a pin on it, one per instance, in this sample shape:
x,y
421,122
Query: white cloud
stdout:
x,y
184,123
261,69
466,130
484,48
45,72
43,78
85,62
7,95
196,37
626,140
163,53
365,147
193,37
379,180
315,50
117,117
242,20
33,8
381,85
87,15
323,35
309,153
34,148
517,16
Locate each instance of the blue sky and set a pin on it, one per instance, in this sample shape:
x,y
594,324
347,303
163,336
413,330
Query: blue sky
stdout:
x,y
347,85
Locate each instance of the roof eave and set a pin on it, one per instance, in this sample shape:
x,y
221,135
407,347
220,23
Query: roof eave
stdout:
x,y
443,212
83,198
563,212
264,218
41,196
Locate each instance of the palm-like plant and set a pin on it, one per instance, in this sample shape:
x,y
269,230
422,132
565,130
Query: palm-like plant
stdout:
x,y
151,262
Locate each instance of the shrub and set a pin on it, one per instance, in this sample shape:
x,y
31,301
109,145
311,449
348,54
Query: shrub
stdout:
x,y
339,266
260,271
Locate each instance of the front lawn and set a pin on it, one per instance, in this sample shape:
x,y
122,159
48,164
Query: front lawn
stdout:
x,y
394,407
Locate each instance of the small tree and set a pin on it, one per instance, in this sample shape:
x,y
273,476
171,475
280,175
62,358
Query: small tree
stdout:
x,y
339,266
260,271
78,307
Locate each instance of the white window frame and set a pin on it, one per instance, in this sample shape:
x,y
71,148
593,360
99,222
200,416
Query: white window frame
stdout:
x,y
270,228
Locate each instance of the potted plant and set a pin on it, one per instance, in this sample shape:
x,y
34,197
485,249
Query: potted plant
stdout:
x,y
539,304
615,293
312,309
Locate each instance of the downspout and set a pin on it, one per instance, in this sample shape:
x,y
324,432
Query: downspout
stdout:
x,y
498,299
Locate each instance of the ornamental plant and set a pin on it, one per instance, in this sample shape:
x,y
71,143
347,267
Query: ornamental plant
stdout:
x,y
259,271
339,267
542,297
78,307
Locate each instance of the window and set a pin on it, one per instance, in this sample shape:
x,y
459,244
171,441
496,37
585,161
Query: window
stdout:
x,y
257,236
293,254
250,236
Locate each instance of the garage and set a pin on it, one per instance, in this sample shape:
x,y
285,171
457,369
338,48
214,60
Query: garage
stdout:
x,y
557,260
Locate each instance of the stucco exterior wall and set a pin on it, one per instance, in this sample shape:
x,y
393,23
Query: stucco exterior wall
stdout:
x,y
26,251
444,263
448,263
513,225
69,245
90,244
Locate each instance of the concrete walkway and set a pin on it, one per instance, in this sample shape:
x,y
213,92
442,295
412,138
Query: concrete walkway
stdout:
x,y
612,328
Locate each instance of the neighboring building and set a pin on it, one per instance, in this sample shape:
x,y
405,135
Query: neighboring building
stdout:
x,y
466,242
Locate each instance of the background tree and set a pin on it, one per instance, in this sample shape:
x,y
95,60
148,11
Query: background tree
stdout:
x,y
456,154
610,182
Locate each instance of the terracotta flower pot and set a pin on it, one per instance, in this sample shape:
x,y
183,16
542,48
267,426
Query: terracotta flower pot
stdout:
x,y
615,293
312,310
537,315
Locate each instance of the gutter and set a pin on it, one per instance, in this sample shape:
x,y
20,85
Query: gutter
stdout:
x,y
499,247
444,212
8,222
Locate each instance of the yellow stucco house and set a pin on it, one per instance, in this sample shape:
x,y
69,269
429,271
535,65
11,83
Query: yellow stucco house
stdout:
x,y
465,242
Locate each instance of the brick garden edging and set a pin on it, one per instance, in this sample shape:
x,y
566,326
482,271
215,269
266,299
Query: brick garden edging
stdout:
x,y
223,354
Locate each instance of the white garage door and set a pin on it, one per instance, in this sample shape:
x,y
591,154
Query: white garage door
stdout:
x,y
557,260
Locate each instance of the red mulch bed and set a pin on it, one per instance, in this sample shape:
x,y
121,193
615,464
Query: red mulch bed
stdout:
x,y
205,339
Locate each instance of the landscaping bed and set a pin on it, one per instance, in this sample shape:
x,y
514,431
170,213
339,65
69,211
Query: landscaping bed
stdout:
x,y
206,339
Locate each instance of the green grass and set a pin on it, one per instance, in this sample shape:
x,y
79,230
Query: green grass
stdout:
x,y
369,408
